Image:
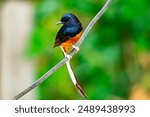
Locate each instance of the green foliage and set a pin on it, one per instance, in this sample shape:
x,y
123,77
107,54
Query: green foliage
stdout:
x,y
108,63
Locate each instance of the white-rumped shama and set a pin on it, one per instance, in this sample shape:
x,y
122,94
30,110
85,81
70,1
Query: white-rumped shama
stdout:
x,y
66,37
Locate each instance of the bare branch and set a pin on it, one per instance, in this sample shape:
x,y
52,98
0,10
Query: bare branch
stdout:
x,y
64,60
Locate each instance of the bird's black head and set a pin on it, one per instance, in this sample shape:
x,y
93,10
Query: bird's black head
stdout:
x,y
68,19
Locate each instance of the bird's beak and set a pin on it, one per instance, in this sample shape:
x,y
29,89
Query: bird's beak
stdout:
x,y
59,23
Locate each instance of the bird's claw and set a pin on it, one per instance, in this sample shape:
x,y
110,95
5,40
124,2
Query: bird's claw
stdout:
x,y
68,56
76,48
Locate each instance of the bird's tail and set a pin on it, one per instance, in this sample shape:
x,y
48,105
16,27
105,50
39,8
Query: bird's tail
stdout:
x,y
73,78
75,82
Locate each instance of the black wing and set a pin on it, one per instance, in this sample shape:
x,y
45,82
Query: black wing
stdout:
x,y
61,36
67,32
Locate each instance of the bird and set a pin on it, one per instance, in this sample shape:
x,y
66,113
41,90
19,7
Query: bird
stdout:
x,y
67,36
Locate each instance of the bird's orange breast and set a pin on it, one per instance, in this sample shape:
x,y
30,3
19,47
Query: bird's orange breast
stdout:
x,y
70,42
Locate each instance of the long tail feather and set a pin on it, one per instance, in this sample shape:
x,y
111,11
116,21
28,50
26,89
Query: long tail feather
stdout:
x,y
73,78
75,82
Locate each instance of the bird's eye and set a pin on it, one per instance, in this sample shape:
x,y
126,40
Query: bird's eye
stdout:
x,y
69,19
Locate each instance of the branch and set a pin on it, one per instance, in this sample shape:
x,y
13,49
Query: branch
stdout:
x,y
64,60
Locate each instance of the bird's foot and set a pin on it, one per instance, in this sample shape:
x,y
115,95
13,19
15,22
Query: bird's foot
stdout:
x,y
68,56
76,48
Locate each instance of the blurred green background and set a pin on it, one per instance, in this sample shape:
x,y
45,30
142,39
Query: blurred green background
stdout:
x,y
114,60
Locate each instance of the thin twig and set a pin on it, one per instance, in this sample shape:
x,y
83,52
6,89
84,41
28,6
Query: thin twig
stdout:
x,y
64,60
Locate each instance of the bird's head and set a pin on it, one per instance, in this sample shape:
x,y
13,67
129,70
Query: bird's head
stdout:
x,y
68,19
